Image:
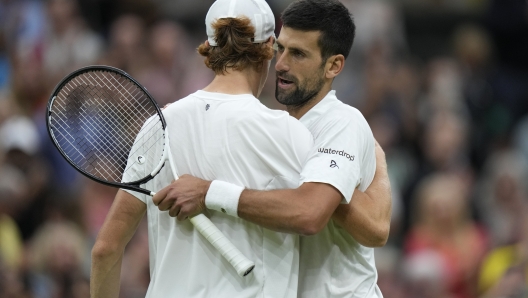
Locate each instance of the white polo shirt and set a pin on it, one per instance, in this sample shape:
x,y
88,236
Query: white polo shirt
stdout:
x,y
333,263
236,139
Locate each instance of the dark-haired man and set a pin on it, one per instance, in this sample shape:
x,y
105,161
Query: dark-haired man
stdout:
x,y
336,258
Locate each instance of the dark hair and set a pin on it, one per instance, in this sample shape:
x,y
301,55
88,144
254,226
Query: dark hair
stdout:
x,y
330,17
235,48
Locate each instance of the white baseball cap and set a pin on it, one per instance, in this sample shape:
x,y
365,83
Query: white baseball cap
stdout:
x,y
258,11
19,132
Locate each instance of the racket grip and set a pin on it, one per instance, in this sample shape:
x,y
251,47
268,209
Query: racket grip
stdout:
x,y
242,265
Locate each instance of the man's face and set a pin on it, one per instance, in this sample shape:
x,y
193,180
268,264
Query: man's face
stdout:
x,y
299,68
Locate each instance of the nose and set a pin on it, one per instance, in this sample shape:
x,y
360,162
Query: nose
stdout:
x,y
281,64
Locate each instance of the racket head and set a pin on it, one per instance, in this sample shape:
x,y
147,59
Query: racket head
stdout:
x,y
108,127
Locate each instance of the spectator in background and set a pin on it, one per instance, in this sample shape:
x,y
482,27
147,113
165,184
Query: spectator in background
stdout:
x,y
57,254
170,50
473,50
13,189
502,196
127,47
504,271
444,231
68,43
380,36
20,142
424,275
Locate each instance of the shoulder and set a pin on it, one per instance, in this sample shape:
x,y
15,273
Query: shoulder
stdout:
x,y
342,119
343,113
274,130
276,122
180,104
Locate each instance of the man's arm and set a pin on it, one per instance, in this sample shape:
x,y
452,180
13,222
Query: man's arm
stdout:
x,y
367,216
119,227
304,210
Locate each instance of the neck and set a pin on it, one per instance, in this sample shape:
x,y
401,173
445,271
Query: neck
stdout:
x,y
298,112
236,82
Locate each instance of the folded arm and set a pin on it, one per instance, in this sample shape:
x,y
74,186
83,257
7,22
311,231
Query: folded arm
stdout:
x,y
107,254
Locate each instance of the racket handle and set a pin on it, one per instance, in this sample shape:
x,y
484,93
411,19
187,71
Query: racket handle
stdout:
x,y
242,265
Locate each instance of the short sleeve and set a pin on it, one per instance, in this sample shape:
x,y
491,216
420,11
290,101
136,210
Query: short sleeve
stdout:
x,y
135,172
144,155
336,156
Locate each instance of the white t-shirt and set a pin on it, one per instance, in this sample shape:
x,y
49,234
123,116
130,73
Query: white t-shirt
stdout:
x,y
333,264
236,139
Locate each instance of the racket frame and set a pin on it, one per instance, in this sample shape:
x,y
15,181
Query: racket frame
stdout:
x,y
134,185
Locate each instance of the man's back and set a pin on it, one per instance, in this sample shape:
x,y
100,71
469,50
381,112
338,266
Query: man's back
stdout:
x,y
236,139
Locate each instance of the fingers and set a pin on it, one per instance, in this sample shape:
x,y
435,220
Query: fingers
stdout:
x,y
183,198
166,205
174,210
160,195
181,211
183,214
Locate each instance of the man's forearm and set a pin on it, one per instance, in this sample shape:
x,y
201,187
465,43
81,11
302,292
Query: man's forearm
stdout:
x,y
107,254
305,210
364,219
275,210
367,217
105,276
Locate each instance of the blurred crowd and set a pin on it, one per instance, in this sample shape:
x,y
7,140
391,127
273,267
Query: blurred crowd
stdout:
x,y
443,84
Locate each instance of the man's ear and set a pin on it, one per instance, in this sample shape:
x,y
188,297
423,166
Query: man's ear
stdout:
x,y
334,66
271,42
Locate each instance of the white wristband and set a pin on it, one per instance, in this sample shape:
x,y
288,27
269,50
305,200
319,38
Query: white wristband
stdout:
x,y
223,196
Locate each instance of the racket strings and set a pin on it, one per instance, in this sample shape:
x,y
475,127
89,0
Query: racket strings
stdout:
x,y
102,119
82,145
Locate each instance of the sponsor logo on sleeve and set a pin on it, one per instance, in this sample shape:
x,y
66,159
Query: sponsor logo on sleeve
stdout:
x,y
333,164
336,152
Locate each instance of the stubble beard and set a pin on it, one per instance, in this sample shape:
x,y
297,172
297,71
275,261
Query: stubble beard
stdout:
x,y
302,94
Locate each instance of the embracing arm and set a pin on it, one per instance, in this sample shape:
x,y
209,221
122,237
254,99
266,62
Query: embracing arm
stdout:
x,y
305,210
367,217
119,227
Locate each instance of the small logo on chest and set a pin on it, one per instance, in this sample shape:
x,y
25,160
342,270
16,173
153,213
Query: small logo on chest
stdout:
x,y
207,106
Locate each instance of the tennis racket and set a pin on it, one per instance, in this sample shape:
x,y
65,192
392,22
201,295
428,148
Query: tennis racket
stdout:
x,y
109,128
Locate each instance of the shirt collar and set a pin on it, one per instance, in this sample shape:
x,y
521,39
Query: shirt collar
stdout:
x,y
319,109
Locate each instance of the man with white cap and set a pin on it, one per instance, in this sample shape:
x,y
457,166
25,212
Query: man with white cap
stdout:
x,y
221,132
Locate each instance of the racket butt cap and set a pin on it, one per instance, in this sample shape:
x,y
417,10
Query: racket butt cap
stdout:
x,y
249,270
244,267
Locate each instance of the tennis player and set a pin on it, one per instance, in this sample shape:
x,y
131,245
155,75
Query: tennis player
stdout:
x,y
336,261
221,132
